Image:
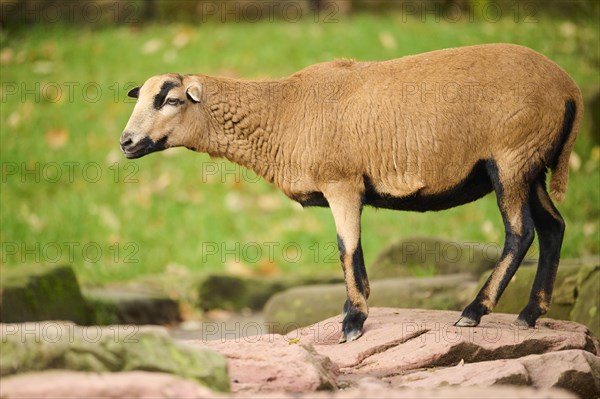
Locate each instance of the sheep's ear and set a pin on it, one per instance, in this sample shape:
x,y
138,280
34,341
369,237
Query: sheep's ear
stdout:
x,y
194,92
134,93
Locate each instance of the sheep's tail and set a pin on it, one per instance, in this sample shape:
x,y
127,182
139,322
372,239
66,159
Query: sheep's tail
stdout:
x,y
560,161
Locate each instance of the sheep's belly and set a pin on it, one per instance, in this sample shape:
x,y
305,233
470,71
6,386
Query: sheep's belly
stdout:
x,y
474,186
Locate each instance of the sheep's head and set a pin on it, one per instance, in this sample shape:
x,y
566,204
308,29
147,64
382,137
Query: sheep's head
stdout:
x,y
161,117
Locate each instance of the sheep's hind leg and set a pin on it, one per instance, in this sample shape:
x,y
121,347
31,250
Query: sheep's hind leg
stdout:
x,y
550,228
514,207
346,209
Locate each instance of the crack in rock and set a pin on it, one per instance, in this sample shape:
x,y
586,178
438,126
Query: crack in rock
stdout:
x,y
387,346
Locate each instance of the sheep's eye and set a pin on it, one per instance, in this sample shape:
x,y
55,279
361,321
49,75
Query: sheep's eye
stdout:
x,y
172,101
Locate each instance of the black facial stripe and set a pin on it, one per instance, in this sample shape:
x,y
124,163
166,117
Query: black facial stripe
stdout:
x,y
159,99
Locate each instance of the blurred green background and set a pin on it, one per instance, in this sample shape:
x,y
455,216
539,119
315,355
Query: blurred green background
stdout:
x,y
69,196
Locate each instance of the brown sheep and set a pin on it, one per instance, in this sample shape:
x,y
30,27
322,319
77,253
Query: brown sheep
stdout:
x,y
424,132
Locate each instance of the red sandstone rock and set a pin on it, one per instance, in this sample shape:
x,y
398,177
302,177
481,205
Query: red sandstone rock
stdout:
x,y
138,384
403,354
73,384
575,370
399,340
274,363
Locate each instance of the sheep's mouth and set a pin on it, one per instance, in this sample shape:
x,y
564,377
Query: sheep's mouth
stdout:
x,y
144,147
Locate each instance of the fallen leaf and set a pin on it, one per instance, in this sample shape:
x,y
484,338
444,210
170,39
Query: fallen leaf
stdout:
x,y
33,220
268,268
181,39
269,202
568,29
57,138
113,157
387,40
6,55
218,315
14,119
238,268
175,269
162,182
589,229
152,46
234,202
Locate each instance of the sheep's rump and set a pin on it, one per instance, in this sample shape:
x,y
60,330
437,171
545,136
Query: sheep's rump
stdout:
x,y
423,126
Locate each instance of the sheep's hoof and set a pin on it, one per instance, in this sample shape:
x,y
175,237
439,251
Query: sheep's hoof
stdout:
x,y
528,317
353,335
521,323
466,322
352,326
471,316
525,320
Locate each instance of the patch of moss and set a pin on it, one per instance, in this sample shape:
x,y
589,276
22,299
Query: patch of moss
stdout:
x,y
587,306
108,349
35,293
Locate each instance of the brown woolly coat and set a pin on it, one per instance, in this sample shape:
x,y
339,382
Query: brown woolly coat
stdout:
x,y
416,124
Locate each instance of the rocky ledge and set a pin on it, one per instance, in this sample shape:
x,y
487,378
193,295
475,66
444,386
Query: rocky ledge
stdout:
x,y
410,350
403,353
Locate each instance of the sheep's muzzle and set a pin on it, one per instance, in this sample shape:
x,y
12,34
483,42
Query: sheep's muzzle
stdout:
x,y
143,147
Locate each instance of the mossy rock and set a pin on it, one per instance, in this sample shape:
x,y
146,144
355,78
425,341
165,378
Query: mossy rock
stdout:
x,y
59,345
35,293
129,304
222,291
586,309
424,256
564,297
303,306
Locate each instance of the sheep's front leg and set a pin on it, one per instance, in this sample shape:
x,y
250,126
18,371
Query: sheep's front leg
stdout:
x,y
346,208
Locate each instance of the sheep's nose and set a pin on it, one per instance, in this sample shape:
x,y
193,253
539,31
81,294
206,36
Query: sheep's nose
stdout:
x,y
126,140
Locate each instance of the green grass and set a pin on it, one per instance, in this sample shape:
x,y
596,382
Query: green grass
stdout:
x,y
165,213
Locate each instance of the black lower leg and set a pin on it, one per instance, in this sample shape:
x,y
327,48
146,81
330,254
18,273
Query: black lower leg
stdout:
x,y
550,229
355,307
514,251
359,259
518,224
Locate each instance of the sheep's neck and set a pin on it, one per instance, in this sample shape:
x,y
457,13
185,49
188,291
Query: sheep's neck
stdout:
x,y
245,123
